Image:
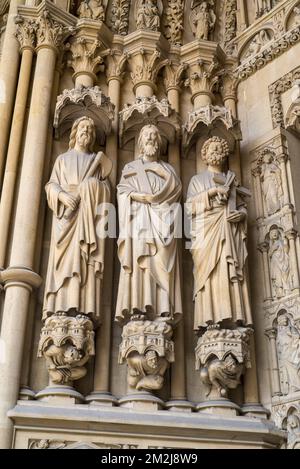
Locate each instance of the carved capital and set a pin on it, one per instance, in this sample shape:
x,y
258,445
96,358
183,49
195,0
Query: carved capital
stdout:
x,y
173,75
145,67
116,63
271,334
85,57
49,32
203,77
26,32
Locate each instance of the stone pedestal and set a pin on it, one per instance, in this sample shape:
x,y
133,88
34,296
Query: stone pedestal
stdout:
x,y
60,395
219,407
142,401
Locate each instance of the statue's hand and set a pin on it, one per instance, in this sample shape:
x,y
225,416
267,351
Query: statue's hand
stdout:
x,y
69,201
137,197
236,217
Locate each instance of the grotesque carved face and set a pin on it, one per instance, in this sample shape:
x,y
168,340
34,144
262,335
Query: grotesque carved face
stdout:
x,y
72,355
84,134
149,141
151,359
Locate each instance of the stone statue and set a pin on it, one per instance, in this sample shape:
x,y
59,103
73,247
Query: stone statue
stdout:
x,y
293,429
91,9
77,193
288,349
257,43
279,263
148,15
203,20
271,183
148,193
219,221
146,372
221,375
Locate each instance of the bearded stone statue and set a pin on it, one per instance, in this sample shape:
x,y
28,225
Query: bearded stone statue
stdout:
x,y
218,215
77,193
148,191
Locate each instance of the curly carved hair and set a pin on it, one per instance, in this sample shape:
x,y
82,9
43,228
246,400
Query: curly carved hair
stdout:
x,y
74,133
141,136
225,147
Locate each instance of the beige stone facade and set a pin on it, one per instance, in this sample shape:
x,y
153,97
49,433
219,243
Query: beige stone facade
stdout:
x,y
184,117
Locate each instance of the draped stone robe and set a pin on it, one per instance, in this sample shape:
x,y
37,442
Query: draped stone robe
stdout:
x,y
147,247
76,257
219,254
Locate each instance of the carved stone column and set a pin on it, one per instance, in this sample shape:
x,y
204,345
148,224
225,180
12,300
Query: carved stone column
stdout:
x,y
26,37
19,281
274,368
242,15
8,79
263,247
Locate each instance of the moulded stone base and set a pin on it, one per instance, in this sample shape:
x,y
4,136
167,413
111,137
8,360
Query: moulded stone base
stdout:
x,y
26,394
255,410
64,395
219,406
142,401
101,398
179,405
85,426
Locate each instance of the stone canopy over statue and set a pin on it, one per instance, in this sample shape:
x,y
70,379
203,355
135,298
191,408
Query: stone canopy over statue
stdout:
x,y
147,246
77,192
216,204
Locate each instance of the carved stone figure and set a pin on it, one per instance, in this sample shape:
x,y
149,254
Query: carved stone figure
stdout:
x,y
148,15
288,349
148,349
146,372
147,247
271,183
77,193
92,9
293,429
203,19
257,43
221,375
67,344
279,263
218,214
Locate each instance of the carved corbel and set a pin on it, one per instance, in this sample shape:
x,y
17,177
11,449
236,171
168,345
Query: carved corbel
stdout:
x,y
222,356
148,350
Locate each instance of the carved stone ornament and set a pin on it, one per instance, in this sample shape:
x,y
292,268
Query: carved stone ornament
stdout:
x,y
67,344
288,350
74,103
230,27
292,117
120,16
92,9
148,13
257,43
26,32
148,349
145,111
262,7
280,266
49,32
173,21
203,19
221,356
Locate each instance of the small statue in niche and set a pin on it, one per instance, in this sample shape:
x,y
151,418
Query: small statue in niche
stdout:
x,y
221,375
288,349
148,15
146,372
257,43
271,183
297,15
280,270
293,429
91,9
203,20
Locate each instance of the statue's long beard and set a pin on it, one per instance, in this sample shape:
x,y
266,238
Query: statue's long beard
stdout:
x,y
84,141
150,149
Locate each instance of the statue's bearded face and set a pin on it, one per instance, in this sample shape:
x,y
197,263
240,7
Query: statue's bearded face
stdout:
x,y
84,134
150,143
151,361
215,154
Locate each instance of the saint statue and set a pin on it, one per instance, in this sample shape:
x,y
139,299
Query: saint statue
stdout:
x,y
148,196
270,177
148,15
288,347
91,9
203,19
77,194
218,214
279,263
